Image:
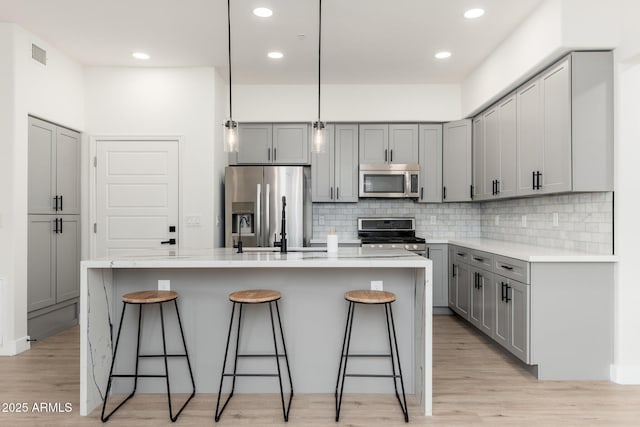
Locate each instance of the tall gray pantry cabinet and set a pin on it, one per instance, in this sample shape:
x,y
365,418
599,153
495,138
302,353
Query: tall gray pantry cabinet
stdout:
x,y
53,254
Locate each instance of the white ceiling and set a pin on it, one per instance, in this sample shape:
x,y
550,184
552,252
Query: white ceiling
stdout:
x,y
363,41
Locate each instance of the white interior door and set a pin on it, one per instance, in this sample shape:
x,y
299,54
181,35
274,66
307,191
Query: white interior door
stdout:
x,y
136,195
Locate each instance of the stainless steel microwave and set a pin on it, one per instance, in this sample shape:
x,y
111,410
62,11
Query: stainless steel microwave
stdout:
x,y
389,180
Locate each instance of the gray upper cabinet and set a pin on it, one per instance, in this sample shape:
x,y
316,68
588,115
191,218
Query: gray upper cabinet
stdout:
x,y
565,127
403,143
54,169
478,156
266,143
430,160
496,156
334,173
388,143
456,161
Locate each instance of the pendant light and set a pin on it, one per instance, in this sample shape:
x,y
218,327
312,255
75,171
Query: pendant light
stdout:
x,y
318,144
230,127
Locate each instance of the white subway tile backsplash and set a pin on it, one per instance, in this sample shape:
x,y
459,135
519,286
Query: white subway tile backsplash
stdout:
x,y
585,220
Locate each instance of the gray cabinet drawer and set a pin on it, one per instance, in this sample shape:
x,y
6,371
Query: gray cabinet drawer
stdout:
x,y
481,259
511,268
461,255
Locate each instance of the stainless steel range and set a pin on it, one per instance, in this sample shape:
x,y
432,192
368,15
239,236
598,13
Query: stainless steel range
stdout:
x,y
390,233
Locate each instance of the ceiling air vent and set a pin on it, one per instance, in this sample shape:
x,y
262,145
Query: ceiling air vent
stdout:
x,y
39,54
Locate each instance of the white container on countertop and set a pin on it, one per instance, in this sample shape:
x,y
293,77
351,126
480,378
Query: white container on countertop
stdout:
x,y
332,241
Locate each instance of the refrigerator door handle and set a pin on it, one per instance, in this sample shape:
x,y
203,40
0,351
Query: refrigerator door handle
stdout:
x,y
267,224
258,224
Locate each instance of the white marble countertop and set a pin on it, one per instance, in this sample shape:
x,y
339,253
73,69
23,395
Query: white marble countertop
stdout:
x,y
255,258
530,253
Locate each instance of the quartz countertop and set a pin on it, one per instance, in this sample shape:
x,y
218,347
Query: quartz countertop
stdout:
x,y
530,253
260,258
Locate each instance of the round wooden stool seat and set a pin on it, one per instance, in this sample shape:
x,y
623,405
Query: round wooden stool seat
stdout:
x,y
254,296
149,297
370,297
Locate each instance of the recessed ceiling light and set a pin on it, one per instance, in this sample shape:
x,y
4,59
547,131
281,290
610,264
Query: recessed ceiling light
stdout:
x,y
262,12
443,55
275,55
474,13
140,55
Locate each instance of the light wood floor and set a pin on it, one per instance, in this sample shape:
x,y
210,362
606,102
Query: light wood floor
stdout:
x,y
475,382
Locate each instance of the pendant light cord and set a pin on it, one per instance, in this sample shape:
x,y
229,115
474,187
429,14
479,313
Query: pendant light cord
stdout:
x,y
229,25
319,46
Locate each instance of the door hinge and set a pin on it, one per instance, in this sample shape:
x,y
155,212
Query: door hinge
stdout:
x,y
95,227
95,162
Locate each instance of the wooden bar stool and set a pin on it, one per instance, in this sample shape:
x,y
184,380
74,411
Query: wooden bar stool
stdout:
x,y
258,296
145,298
370,297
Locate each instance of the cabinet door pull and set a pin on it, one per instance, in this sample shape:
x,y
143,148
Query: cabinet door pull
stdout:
x,y
506,267
444,193
506,298
493,187
429,253
471,191
55,204
421,193
275,155
453,273
337,193
497,187
55,221
502,291
61,208
269,154
538,175
385,154
533,180
391,155
331,195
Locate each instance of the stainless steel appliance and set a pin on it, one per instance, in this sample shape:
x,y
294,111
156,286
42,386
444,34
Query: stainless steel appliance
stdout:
x,y
254,205
390,233
389,180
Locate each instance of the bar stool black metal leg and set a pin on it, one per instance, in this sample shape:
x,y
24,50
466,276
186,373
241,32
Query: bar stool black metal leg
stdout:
x,y
403,402
166,364
224,365
186,353
113,361
286,360
346,359
344,341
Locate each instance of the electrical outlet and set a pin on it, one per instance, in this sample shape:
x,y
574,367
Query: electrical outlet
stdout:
x,y
321,220
524,220
432,220
556,221
496,220
164,285
376,285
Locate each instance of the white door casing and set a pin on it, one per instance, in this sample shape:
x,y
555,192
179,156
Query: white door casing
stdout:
x,y
136,194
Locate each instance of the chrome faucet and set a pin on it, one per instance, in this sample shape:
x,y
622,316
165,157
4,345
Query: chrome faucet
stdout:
x,y
283,229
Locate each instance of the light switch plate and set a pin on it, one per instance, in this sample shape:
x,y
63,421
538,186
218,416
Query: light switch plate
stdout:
x,y
497,220
432,220
556,221
376,285
321,220
164,285
524,220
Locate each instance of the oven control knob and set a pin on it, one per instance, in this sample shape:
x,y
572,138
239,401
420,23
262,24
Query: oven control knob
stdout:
x,y
415,246
393,246
406,247
379,246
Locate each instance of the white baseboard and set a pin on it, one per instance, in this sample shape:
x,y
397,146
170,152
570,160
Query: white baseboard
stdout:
x,y
11,348
625,374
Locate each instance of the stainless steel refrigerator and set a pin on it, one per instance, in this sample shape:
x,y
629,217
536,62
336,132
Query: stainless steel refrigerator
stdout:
x,y
253,205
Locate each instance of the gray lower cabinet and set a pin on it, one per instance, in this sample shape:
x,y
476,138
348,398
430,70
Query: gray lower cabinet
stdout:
x,y
512,327
460,281
54,169
388,143
272,143
430,161
482,311
456,161
438,255
53,278
334,173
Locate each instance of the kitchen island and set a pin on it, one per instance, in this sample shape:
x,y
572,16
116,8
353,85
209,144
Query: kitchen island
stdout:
x,y
312,307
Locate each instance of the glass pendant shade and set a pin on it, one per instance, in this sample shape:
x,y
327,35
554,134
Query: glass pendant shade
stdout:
x,y
230,136
319,143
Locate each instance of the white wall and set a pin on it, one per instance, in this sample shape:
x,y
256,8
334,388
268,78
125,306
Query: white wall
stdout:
x,y
627,185
164,101
553,29
341,102
53,92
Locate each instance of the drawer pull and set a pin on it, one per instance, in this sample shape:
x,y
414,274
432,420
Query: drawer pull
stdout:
x,y
478,259
506,267
462,254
